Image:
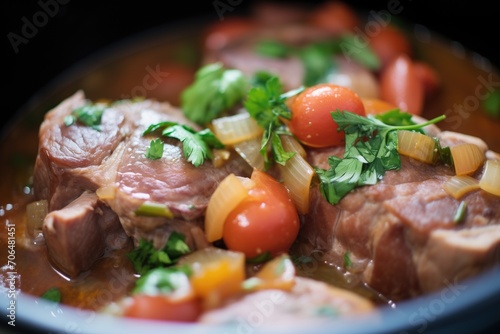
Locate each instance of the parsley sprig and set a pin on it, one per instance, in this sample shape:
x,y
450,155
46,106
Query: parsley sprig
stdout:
x,y
88,114
370,151
146,257
196,145
317,57
214,90
266,104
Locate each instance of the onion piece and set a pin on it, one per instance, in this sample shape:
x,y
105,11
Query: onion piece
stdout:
x,y
236,128
106,193
35,213
457,186
416,145
230,192
291,144
297,176
467,158
249,150
490,181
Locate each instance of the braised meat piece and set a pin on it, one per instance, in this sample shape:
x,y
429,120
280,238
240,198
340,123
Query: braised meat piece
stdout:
x,y
111,163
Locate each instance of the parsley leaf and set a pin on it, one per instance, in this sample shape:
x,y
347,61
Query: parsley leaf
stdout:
x,y
146,257
52,294
196,146
214,90
318,57
266,104
89,115
370,151
155,149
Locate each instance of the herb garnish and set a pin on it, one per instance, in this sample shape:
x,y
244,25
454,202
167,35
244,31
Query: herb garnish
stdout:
x,y
52,294
317,58
215,89
266,104
155,149
196,145
146,257
89,115
370,151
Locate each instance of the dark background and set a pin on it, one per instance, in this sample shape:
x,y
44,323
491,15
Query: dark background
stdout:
x,y
81,28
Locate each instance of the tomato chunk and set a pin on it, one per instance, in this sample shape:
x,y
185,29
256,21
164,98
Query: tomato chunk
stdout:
x,y
267,221
160,307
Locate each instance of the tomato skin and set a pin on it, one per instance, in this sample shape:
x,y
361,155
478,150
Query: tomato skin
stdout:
x,y
163,308
312,122
401,86
389,43
267,221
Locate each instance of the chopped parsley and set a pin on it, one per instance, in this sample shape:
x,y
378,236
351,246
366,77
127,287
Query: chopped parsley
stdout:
x,y
196,145
146,257
214,90
491,104
347,260
266,104
89,115
460,213
52,294
370,151
155,149
317,57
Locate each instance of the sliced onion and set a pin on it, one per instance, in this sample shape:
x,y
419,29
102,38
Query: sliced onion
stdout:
x,y
297,175
490,181
230,192
106,193
416,145
236,128
249,150
457,186
35,213
290,144
467,158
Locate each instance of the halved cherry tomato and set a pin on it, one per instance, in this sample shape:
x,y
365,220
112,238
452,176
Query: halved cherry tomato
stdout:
x,y
267,221
389,43
401,86
429,77
312,122
160,307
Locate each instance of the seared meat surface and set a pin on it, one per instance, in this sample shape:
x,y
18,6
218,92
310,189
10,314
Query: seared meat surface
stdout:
x,y
77,159
400,233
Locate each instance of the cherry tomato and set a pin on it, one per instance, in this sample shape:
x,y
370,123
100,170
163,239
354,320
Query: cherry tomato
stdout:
x,y
429,77
163,308
312,122
401,86
265,222
335,17
389,43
